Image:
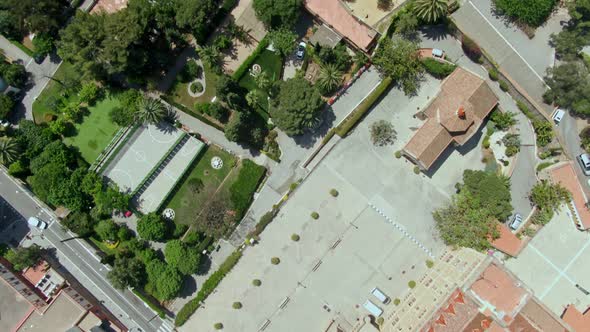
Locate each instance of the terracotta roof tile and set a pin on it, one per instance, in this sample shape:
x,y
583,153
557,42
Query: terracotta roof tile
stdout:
x,y
507,242
580,322
566,176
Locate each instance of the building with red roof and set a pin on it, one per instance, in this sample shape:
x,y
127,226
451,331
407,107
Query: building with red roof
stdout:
x,y
580,322
565,175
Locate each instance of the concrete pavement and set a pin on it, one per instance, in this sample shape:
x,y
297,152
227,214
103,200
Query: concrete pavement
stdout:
x,y
80,260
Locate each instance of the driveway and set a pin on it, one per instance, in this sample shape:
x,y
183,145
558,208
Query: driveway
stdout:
x,y
524,59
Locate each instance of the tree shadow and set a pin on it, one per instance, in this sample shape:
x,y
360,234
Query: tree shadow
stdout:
x,y
189,287
311,136
204,265
435,32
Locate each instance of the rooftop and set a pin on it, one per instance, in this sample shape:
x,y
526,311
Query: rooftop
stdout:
x,y
580,322
62,314
455,114
13,308
508,242
566,176
334,14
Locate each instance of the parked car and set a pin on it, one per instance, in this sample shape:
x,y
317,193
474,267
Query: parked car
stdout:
x,y
300,50
584,161
4,123
37,223
516,221
558,115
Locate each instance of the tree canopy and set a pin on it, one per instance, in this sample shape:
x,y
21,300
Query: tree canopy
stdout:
x,y
400,60
531,12
19,17
180,255
152,227
22,257
126,272
296,105
165,280
278,13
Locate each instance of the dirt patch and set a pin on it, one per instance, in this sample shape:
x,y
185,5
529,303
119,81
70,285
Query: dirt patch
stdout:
x,y
312,72
109,6
237,54
369,11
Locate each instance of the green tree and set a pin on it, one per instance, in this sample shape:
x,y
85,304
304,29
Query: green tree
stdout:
x,y
382,133
183,257
252,98
22,257
544,132
150,111
80,223
400,61
262,81
531,12
493,191
34,138
110,199
72,111
152,227
236,128
59,126
15,74
165,279
570,86
107,230
6,106
89,93
278,13
9,25
503,120
431,10
546,195
210,55
283,40
296,104
43,44
406,23
126,272
9,150
37,16
329,78
567,43
196,16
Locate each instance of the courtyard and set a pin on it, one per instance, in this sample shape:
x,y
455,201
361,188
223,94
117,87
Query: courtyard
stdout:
x,y
556,264
368,236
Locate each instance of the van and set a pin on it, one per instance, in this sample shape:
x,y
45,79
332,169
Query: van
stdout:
x,y
516,222
37,223
380,295
558,115
584,161
372,308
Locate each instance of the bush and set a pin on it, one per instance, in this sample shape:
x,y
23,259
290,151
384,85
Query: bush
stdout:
x,y
531,12
275,261
295,237
207,288
346,125
493,74
237,305
544,165
398,154
264,221
242,190
429,263
416,170
17,169
334,192
503,85
412,284
471,49
524,109
196,87
397,301
315,215
218,326
502,120
544,132
437,68
256,282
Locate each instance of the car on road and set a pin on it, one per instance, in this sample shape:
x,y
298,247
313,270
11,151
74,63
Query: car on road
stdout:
x,y
584,161
516,221
35,222
300,50
558,115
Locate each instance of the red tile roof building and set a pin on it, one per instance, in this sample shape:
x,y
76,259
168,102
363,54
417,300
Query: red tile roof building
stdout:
x,y
580,322
508,242
454,115
566,176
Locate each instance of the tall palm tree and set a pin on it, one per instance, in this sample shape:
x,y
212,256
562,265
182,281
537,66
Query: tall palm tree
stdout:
x,y
262,81
252,98
431,10
150,110
210,55
8,150
329,78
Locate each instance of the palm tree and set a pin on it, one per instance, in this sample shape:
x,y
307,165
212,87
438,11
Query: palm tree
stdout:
x,y
252,98
8,150
262,81
150,110
210,55
431,10
329,78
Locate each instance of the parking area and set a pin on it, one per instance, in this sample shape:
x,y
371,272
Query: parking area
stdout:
x,y
13,226
378,232
554,262
148,145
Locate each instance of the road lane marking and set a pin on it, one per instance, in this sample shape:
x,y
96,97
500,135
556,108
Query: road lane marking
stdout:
x,y
507,42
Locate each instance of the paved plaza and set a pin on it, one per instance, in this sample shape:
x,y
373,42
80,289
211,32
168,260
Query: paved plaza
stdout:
x,y
554,262
148,145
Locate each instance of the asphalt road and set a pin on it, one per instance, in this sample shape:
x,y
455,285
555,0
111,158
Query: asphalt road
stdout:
x,y
81,261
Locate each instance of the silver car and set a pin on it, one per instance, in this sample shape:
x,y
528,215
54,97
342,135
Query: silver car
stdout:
x,y
516,221
37,223
584,161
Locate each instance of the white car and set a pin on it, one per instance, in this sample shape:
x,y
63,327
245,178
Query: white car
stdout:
x,y
300,50
37,223
516,222
584,161
558,115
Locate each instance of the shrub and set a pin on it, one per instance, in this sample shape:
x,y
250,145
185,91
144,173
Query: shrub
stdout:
x,y
503,85
397,301
256,282
502,120
196,87
218,326
416,170
242,190
237,305
412,284
429,263
315,215
544,132
334,192
295,237
398,154
524,109
275,261
531,12
264,221
493,74
471,49
544,165
437,68
382,133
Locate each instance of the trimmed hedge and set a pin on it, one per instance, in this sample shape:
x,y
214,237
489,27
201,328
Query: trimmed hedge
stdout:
x,y
192,113
438,69
352,119
207,288
242,190
245,66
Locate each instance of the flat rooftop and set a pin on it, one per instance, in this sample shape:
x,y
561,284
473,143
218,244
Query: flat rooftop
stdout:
x,y
62,314
13,308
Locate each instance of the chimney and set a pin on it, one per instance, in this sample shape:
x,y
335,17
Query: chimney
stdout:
x,y
461,112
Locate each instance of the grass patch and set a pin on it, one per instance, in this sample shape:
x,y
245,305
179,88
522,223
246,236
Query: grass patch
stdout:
x,y
96,130
185,202
53,92
179,91
246,183
109,250
271,64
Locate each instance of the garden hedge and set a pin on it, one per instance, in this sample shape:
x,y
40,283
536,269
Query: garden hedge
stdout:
x,y
245,66
351,120
207,288
242,190
531,12
437,68
195,114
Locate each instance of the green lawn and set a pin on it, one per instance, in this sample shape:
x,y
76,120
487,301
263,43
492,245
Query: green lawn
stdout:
x,y
52,92
187,204
96,130
179,90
